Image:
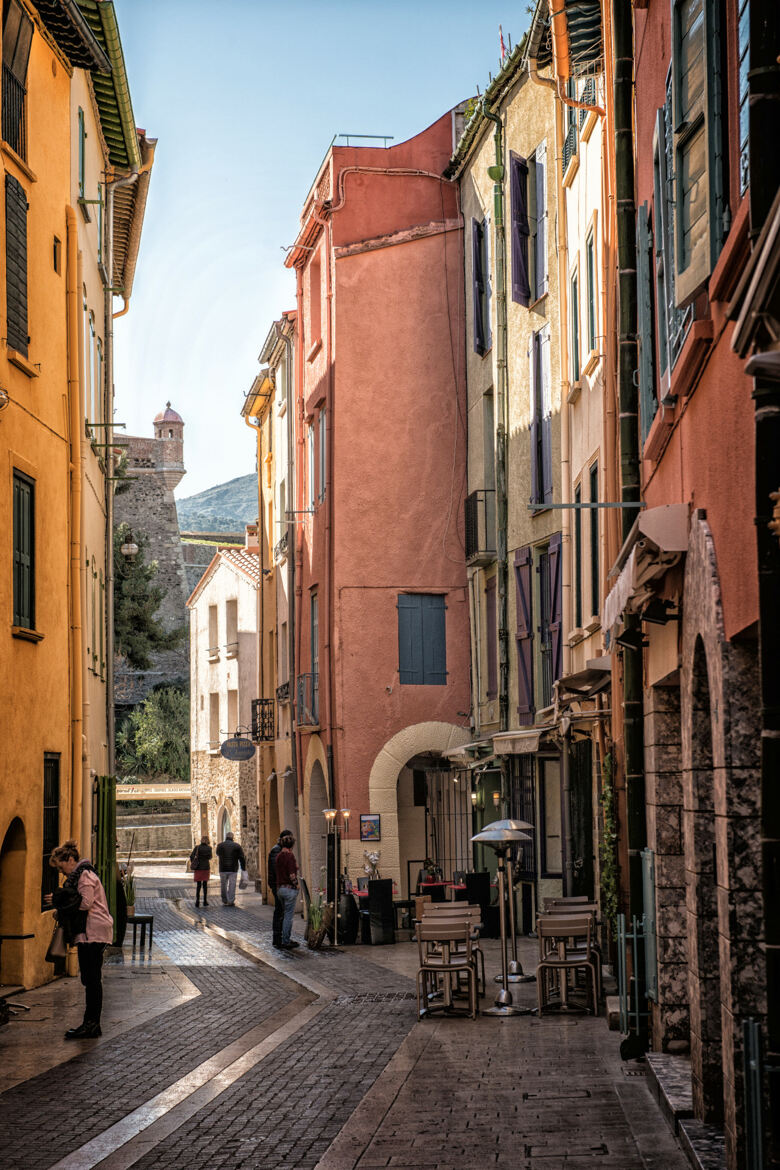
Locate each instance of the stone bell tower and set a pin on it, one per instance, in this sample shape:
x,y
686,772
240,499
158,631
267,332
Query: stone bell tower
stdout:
x,y
169,432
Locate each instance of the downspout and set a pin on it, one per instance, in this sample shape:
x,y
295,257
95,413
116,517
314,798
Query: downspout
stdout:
x,y
74,405
84,836
298,500
108,399
633,713
288,357
496,173
259,760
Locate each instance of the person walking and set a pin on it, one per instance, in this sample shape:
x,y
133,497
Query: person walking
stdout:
x,y
82,912
231,857
200,860
276,926
287,888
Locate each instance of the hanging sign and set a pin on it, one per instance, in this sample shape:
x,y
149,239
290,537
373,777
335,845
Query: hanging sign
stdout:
x,y
238,747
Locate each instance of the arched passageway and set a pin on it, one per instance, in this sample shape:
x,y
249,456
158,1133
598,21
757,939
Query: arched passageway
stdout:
x,y
318,800
13,862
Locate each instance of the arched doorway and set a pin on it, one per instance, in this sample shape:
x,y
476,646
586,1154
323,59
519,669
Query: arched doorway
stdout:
x,y
318,800
434,819
703,942
13,859
224,825
289,803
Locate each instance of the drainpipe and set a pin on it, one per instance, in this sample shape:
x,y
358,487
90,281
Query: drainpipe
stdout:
x,y
108,399
75,427
288,357
633,714
259,759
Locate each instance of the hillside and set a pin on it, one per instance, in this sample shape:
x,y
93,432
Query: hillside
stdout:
x,y
224,508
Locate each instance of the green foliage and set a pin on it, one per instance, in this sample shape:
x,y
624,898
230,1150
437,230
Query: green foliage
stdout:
x,y
137,632
608,846
154,741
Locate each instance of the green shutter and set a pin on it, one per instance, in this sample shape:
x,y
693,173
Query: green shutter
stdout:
x,y
434,640
23,551
410,656
644,274
422,643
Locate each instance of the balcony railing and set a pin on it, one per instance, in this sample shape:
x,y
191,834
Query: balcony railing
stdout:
x,y
14,113
283,692
308,700
569,146
263,720
481,526
588,97
280,548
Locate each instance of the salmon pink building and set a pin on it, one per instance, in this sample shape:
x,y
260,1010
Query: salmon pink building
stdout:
x,y
382,641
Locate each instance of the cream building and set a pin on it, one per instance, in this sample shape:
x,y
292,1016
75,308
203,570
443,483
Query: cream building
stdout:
x,y
223,647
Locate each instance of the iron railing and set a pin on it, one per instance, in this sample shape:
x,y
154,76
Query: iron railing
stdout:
x,y
633,1005
308,700
283,692
14,113
281,546
481,526
263,720
569,146
589,97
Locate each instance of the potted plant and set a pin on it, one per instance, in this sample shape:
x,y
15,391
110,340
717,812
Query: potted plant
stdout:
x,y
128,882
320,921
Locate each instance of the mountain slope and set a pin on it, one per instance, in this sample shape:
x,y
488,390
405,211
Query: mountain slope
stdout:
x,y
227,507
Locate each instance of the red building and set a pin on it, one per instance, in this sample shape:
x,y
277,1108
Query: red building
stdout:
x,y
382,642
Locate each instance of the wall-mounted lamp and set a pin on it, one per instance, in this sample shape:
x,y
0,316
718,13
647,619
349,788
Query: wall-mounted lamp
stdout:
x,y
345,812
496,799
129,549
329,814
474,799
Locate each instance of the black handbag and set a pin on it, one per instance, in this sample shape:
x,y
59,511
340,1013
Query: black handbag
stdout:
x,y
58,948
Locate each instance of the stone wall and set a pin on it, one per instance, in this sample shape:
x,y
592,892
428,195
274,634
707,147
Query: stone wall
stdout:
x,y
154,838
223,785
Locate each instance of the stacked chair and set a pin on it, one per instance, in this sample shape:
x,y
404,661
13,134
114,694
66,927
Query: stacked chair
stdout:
x,y
567,946
448,945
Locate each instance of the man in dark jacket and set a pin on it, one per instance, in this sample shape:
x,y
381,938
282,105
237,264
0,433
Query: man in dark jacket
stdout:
x,y
231,856
276,928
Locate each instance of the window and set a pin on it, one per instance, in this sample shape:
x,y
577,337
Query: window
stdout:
x,y
672,322
90,361
51,822
284,669
698,163
100,227
481,284
17,38
56,254
537,217
99,381
323,454
232,707
315,300
214,739
225,826
648,402
550,646
102,624
577,569
525,634
541,419
310,453
213,631
422,645
550,808
575,331
570,141
92,573
315,633
16,264
590,263
82,155
231,627
24,551
491,633
595,579
518,182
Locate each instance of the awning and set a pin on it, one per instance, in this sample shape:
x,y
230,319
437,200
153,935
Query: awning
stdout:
x,y
586,683
657,540
518,743
469,755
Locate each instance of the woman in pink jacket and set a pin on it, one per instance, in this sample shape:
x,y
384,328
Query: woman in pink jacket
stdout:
x,y
82,912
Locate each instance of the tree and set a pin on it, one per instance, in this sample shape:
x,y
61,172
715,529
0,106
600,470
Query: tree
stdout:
x,y
155,740
137,632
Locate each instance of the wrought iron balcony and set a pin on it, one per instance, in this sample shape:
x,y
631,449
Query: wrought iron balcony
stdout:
x,y
569,146
481,526
263,720
588,97
283,692
308,700
281,546
14,113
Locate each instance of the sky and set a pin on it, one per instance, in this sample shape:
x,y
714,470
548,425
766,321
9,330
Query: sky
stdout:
x,y
244,97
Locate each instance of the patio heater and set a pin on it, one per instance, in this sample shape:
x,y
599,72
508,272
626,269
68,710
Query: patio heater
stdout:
x,y
500,835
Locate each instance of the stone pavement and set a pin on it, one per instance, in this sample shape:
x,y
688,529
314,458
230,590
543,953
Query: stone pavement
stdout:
x,y
219,1050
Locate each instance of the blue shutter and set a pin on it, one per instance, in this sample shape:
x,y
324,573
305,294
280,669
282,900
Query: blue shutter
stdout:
x,y
477,285
540,250
434,643
521,288
410,638
556,604
525,639
648,404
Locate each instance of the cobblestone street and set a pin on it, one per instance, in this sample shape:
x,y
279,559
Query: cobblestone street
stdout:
x,y
219,1050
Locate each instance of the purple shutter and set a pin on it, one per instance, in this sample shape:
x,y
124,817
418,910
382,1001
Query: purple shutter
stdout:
x,y
521,288
477,285
556,604
541,261
525,638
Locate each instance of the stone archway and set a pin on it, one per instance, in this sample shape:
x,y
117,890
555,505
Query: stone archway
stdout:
x,y
317,828
13,863
418,739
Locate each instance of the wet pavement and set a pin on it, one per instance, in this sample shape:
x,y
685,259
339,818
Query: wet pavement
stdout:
x,y
219,1050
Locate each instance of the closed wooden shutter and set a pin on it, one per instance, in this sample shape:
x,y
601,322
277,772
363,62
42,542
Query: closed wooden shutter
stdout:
x,y
422,644
541,219
556,604
648,403
478,285
545,374
410,661
524,634
16,263
24,552
535,371
521,288
491,632
434,640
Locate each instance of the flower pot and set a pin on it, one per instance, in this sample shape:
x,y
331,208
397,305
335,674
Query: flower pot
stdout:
x,y
131,911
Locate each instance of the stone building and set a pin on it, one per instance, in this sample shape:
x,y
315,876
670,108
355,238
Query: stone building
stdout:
x,y
155,466
223,655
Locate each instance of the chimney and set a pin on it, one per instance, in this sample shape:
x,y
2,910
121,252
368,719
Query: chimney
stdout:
x,y
250,537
